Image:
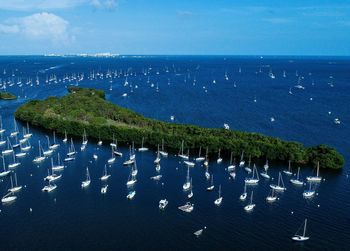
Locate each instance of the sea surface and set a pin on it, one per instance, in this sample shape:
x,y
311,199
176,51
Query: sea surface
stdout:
x,y
208,91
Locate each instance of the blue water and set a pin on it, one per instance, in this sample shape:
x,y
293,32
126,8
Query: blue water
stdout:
x,y
72,218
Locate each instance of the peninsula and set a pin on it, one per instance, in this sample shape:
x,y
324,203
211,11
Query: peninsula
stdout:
x,y
7,96
86,108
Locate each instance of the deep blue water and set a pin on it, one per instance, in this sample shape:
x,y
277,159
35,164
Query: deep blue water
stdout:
x,y
72,218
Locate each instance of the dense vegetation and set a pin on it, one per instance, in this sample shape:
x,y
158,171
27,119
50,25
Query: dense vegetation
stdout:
x,y
87,109
7,96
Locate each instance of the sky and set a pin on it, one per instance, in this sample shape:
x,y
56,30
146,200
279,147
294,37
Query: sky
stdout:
x,y
191,27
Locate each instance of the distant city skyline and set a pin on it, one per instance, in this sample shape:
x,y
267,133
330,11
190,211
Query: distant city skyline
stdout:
x,y
153,27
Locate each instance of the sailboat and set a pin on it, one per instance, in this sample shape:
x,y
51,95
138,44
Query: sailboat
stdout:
x,y
54,145
211,187
14,164
142,148
188,207
250,206
302,237
27,146
2,130
242,162
187,162
200,158
16,144
289,171
14,186
190,195
2,141
39,158
86,182
316,178
297,181
21,153
52,176
99,143
65,139
59,165
244,194
4,171
163,204
181,153
49,188
131,180
309,193
27,135
232,166
71,151
15,130
219,159
85,140
105,176
131,195
134,170
49,151
254,179
218,201
247,168
266,167
9,148
206,162
157,160
112,158
131,157
163,152
271,197
104,189
187,184
8,198
115,147
280,184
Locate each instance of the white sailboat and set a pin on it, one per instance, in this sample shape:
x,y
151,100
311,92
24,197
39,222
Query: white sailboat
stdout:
x,y
14,164
39,158
8,198
104,189
247,168
131,180
111,160
59,165
14,186
280,184
2,141
187,184
254,179
297,181
157,160
190,195
181,153
316,178
65,139
242,162
2,130
105,175
142,148
163,152
49,151
86,182
21,153
289,171
302,237
9,148
250,206
218,201
309,193
163,204
244,194
211,187
49,188
131,195
52,176
188,207
232,166
200,158
15,130
4,172
115,147
54,145
219,159
131,157
27,135
271,197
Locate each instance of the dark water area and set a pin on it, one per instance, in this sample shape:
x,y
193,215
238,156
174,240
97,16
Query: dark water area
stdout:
x,y
206,91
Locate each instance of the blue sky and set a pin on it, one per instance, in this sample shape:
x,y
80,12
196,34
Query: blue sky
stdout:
x,y
248,27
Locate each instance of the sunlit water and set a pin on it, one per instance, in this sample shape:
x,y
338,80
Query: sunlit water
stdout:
x,y
75,218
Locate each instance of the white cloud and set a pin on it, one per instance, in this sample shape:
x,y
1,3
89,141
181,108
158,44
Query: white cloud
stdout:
x,y
40,26
40,5
277,20
104,4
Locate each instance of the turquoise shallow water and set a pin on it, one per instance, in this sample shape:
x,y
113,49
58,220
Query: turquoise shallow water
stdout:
x,y
72,218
